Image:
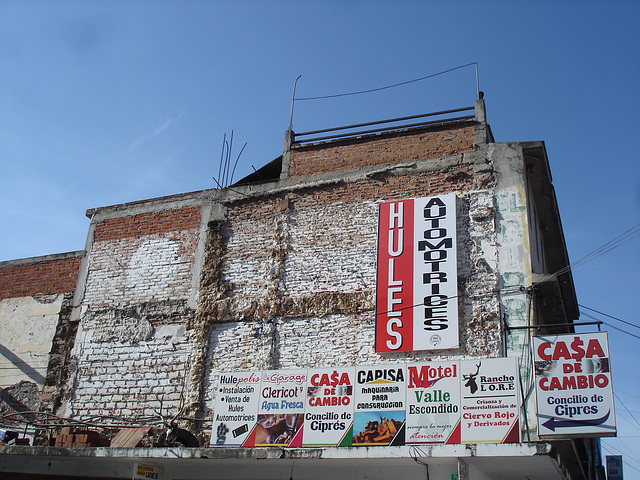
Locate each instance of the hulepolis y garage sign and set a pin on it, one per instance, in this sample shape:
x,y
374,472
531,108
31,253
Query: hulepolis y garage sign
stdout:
x,y
450,402
416,296
573,385
281,409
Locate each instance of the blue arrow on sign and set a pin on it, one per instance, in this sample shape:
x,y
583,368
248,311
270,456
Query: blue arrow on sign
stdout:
x,y
554,422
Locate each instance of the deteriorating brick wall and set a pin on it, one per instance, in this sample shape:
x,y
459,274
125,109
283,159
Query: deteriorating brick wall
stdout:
x,y
133,348
143,257
59,366
130,361
385,149
299,272
39,276
35,334
287,279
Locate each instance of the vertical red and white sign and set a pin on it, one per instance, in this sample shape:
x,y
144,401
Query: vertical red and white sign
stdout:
x,y
416,300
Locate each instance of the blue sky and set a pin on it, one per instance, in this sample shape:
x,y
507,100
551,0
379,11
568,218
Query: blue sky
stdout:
x,y
104,102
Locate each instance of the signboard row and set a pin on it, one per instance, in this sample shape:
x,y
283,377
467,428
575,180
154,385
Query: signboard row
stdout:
x,y
452,402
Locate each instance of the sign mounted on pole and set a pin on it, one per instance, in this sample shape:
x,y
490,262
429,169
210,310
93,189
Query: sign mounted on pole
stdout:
x,y
417,285
573,385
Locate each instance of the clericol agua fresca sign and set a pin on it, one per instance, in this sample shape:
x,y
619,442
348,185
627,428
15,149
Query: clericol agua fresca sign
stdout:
x,y
416,299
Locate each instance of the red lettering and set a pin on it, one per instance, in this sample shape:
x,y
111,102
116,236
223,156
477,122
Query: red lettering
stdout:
x,y
594,349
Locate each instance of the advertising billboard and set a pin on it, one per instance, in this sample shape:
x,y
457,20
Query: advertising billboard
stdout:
x,y
281,408
433,401
380,405
573,385
490,400
236,409
417,286
443,402
329,407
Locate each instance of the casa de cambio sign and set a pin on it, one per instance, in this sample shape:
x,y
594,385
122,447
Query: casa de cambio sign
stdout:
x,y
416,296
573,385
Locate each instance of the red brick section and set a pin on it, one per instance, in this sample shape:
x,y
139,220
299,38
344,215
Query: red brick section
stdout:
x,y
39,278
148,223
392,188
387,149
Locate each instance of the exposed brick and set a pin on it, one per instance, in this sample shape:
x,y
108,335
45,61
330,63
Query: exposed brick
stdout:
x,y
385,149
39,276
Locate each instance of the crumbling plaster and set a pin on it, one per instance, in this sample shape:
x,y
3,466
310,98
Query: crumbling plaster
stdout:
x,y
278,275
297,279
27,328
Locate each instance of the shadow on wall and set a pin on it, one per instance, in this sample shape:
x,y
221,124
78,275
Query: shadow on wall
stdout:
x,y
20,364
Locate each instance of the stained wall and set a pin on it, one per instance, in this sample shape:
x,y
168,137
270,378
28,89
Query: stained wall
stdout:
x,y
277,275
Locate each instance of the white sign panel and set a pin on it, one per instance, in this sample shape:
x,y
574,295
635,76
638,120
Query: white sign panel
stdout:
x,y
236,409
490,400
433,403
380,407
328,418
281,411
573,385
417,286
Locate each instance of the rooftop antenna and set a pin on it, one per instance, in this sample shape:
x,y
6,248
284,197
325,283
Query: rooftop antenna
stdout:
x,y
225,172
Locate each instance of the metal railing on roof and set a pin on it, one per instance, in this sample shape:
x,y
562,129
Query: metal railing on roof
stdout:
x,y
394,124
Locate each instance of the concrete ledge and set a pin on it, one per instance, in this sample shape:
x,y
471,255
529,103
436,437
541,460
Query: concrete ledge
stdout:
x,y
422,451
536,461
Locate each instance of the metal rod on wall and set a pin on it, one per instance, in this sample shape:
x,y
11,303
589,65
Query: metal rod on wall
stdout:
x,y
293,99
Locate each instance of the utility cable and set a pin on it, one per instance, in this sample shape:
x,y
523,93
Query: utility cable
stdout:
x,y
625,237
610,316
625,407
595,318
388,86
624,459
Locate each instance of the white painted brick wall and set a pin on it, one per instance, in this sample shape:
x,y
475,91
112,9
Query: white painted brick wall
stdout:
x,y
332,248
132,270
129,379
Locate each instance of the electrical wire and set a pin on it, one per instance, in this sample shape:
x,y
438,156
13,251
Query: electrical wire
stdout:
x,y
595,318
610,316
624,459
621,239
51,420
625,407
388,86
612,326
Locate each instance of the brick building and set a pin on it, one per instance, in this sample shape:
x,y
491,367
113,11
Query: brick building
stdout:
x,y
278,272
